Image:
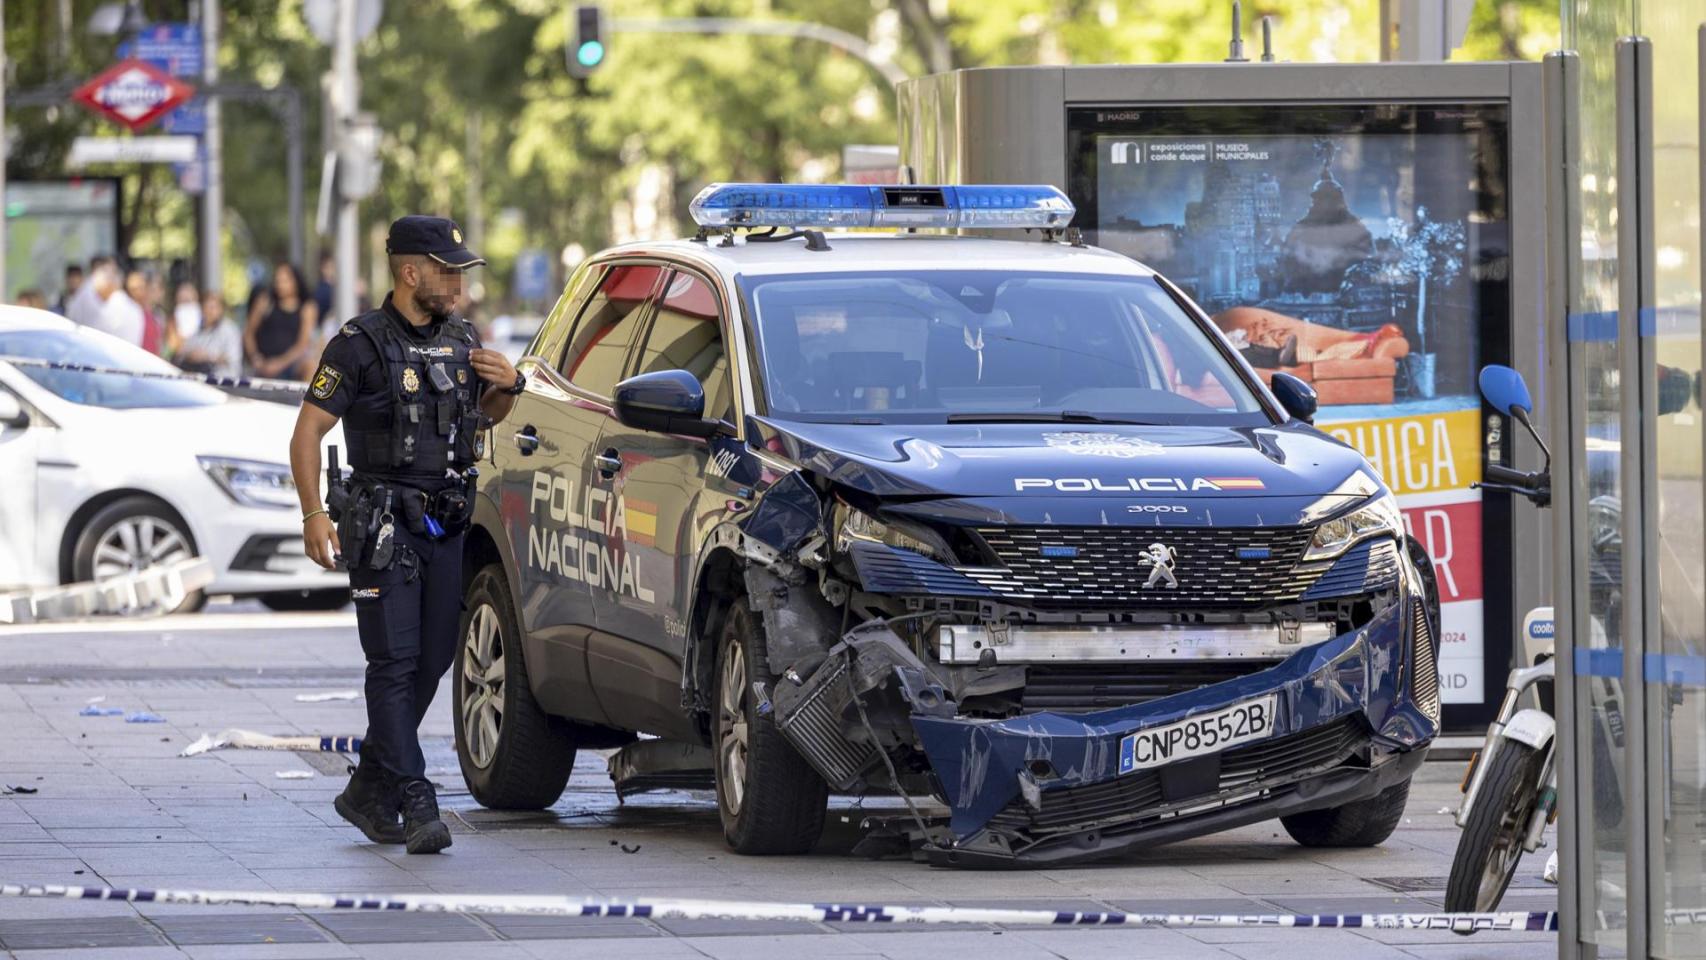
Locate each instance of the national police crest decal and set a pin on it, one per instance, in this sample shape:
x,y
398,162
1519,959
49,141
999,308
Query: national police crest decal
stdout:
x,y
325,383
411,381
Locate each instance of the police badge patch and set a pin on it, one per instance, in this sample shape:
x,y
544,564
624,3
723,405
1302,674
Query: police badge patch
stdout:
x,y
325,382
411,380
461,376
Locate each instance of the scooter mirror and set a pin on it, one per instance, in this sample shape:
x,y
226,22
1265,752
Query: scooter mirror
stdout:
x,y
1505,390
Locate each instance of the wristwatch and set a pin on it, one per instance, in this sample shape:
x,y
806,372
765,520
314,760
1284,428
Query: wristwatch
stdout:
x,y
519,386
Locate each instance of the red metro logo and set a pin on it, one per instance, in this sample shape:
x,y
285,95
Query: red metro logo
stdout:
x,y
134,93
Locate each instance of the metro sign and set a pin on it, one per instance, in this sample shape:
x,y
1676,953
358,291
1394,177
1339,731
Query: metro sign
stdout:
x,y
133,92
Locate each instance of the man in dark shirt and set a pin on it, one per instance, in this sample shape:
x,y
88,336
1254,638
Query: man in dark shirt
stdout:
x,y
415,391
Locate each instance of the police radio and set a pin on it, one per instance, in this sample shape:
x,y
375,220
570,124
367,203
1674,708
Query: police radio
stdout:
x,y
337,493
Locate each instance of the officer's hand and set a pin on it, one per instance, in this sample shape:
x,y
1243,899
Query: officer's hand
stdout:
x,y
320,540
493,367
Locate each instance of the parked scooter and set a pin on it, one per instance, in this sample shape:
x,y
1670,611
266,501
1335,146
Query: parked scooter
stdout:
x,y
1510,791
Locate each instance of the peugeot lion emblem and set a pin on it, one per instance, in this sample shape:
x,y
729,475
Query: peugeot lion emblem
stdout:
x,y
1160,558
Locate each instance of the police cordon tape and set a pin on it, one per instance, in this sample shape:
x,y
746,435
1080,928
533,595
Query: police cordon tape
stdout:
x,y
236,383
672,909
250,740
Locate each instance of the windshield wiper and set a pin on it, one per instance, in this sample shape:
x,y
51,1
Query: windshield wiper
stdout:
x,y
1050,416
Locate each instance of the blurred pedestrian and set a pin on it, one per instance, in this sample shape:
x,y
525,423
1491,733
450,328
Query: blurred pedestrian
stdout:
x,y
216,345
281,327
73,283
32,298
326,286
142,287
103,305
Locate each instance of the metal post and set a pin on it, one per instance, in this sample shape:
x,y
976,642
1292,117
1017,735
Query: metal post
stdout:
x,y
1565,371
1638,482
344,100
213,192
472,211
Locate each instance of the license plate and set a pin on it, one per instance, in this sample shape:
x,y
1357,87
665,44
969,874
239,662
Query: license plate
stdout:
x,y
1199,735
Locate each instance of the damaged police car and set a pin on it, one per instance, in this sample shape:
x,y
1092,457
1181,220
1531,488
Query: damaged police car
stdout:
x,y
1004,523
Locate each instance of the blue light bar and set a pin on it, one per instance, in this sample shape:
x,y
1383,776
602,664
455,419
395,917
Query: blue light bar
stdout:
x,y
845,205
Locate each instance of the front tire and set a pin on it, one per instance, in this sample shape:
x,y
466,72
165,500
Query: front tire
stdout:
x,y
132,534
1366,823
513,756
771,800
1491,844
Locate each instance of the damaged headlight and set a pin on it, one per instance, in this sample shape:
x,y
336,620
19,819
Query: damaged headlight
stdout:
x,y
852,525
1379,517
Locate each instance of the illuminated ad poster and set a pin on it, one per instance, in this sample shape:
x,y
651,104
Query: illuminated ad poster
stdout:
x,y
1360,248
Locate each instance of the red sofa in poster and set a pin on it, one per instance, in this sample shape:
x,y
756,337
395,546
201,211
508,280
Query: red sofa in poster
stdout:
x,y
1344,367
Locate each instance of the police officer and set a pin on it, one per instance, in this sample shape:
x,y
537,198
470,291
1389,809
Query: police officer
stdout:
x,y
415,391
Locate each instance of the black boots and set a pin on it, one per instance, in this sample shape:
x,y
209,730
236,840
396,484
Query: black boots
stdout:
x,y
423,831
370,802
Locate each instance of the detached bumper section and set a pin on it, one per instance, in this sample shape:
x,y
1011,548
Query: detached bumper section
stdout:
x,y
1351,716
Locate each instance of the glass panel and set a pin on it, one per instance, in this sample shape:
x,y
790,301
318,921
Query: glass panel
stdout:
x,y
1676,712
1592,29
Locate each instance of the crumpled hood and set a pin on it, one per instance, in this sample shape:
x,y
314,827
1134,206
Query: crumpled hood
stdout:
x,y
1082,460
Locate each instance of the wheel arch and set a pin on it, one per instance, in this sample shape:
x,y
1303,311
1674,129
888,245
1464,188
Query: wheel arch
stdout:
x,y
716,587
86,511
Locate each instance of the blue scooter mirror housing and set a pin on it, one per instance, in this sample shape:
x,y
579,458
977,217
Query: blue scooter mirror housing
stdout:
x,y
1505,389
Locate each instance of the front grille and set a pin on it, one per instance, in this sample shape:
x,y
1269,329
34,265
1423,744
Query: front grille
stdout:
x,y
1082,688
1424,681
1080,566
1133,796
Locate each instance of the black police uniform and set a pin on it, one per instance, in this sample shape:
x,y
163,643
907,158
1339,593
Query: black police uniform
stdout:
x,y
409,400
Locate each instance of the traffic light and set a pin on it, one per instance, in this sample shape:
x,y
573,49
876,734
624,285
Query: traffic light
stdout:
x,y
586,40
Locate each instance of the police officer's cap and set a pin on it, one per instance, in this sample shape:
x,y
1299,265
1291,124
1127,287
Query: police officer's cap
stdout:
x,y
437,237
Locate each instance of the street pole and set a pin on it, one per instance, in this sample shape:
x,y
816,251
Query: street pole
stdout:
x,y
213,190
345,94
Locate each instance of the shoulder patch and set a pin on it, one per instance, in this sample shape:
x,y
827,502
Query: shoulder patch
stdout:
x,y
325,382
349,330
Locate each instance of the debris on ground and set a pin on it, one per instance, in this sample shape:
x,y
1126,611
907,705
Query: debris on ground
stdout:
x,y
24,790
143,716
294,774
94,711
324,697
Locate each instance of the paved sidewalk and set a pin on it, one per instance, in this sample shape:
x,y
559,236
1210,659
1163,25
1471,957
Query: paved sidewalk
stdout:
x,y
114,804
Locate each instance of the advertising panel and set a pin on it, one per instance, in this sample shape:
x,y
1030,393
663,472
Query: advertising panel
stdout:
x,y
51,224
1363,248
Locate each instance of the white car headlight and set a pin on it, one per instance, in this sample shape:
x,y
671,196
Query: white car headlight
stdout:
x,y
252,483
853,525
1379,517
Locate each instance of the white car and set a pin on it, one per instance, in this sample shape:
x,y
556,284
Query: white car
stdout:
x,y
106,473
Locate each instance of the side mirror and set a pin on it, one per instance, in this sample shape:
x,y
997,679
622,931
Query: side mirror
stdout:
x,y
1505,390
12,412
665,401
1298,398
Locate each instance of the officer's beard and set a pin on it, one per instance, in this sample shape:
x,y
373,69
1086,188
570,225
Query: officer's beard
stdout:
x,y
433,306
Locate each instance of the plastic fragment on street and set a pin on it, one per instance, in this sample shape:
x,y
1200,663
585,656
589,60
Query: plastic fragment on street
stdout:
x,y
250,740
1550,874
294,774
1537,921
324,697
153,591
143,716
93,711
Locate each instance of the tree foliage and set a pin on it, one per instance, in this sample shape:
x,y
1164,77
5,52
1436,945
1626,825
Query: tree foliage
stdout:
x,y
475,101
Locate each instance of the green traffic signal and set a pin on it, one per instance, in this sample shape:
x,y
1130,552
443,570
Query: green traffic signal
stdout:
x,y
590,54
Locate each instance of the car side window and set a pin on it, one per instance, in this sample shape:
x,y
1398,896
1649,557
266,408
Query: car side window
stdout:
x,y
548,341
688,335
599,346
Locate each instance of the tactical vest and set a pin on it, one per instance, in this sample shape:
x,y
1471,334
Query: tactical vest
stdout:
x,y
435,417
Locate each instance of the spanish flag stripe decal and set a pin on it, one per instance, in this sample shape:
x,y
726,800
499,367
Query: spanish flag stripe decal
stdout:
x,y
1237,483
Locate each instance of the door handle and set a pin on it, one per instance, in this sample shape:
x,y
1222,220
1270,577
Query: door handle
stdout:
x,y
527,440
609,463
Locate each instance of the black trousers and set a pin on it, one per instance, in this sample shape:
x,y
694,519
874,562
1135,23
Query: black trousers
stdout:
x,y
408,618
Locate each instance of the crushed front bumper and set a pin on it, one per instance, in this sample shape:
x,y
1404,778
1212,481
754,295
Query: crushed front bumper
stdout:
x,y
1046,788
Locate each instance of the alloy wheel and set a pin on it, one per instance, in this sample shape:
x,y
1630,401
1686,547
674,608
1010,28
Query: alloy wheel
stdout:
x,y
732,725
137,543
482,691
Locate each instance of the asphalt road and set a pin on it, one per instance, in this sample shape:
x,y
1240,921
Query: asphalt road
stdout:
x,y
113,803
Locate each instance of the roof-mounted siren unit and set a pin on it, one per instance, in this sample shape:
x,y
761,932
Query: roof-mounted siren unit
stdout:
x,y
723,206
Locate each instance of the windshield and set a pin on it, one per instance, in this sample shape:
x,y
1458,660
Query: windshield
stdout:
x,y
984,346
96,349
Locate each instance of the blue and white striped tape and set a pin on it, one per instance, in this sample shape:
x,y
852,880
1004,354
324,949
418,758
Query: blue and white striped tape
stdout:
x,y
805,912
